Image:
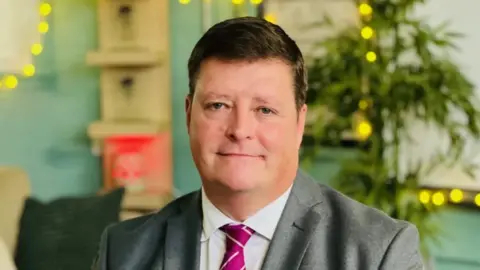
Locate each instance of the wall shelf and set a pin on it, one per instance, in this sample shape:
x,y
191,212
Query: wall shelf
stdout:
x,y
102,129
124,58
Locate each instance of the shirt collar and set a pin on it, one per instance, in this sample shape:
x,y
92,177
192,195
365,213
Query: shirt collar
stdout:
x,y
264,222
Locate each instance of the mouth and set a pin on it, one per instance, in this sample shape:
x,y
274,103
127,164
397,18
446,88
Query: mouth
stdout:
x,y
239,155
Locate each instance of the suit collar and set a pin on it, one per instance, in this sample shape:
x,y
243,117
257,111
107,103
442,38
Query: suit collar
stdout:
x,y
297,225
183,236
263,222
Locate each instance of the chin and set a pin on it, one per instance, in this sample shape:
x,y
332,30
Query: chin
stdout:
x,y
238,181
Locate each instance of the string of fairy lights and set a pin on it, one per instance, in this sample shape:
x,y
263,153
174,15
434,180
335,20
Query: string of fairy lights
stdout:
x,y
10,81
363,128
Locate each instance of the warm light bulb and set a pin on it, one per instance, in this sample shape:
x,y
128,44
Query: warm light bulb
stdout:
x,y
365,9
45,9
371,56
256,2
438,198
456,195
29,70
424,196
10,82
270,18
43,27
237,2
477,200
367,32
36,49
363,104
364,130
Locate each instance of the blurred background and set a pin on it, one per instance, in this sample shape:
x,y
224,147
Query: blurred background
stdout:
x,y
92,127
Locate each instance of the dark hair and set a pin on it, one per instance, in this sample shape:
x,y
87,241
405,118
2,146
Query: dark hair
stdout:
x,y
249,39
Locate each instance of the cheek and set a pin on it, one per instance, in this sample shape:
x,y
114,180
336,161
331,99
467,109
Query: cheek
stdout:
x,y
204,130
271,136
278,137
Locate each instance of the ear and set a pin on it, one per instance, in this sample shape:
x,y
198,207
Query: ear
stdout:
x,y
302,115
188,111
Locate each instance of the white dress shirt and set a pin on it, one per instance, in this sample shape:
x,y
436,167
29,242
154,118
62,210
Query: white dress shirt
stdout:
x,y
213,243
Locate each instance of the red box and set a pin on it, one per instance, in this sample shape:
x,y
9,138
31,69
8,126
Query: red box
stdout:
x,y
139,163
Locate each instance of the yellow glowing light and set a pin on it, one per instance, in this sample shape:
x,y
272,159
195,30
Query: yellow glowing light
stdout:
x,y
367,32
364,129
36,49
184,2
29,70
371,56
424,196
43,27
438,198
237,2
365,9
10,81
45,9
363,104
477,199
256,2
456,195
271,18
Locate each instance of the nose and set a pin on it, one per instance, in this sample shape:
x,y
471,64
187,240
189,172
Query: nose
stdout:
x,y
241,125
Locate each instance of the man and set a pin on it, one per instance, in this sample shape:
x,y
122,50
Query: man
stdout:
x,y
245,115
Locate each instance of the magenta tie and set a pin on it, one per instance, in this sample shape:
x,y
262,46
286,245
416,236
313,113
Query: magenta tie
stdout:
x,y
236,238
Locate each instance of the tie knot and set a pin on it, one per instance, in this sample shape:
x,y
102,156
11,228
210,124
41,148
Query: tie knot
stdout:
x,y
237,235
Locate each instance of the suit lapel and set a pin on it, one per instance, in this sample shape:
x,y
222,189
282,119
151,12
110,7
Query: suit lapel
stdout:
x,y
296,227
182,243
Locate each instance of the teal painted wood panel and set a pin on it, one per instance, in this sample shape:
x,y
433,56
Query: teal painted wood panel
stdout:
x,y
185,30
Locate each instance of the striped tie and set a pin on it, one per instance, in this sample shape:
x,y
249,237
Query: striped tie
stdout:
x,y
237,236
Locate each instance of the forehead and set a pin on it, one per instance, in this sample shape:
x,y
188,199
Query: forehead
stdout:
x,y
268,77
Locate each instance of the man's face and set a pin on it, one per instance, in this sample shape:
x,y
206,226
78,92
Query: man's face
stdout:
x,y
245,131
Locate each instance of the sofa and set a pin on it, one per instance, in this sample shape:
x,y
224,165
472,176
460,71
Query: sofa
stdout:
x,y
63,233
14,189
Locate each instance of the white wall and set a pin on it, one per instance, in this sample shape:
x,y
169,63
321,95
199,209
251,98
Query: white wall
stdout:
x,y
463,17
18,24
294,16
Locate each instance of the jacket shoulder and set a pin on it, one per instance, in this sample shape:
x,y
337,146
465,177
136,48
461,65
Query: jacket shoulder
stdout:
x,y
120,242
159,217
361,234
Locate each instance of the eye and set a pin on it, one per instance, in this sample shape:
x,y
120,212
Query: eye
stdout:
x,y
215,105
264,110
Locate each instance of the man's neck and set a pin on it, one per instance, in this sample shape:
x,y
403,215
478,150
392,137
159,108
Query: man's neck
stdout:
x,y
239,206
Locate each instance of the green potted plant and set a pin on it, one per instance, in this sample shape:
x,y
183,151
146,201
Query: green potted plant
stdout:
x,y
368,83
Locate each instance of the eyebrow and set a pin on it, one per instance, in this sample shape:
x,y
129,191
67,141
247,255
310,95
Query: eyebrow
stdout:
x,y
214,95
266,100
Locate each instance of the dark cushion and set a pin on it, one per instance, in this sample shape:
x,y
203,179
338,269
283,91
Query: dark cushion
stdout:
x,y
65,233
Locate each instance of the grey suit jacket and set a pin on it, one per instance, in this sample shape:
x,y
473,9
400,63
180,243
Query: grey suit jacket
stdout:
x,y
319,229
